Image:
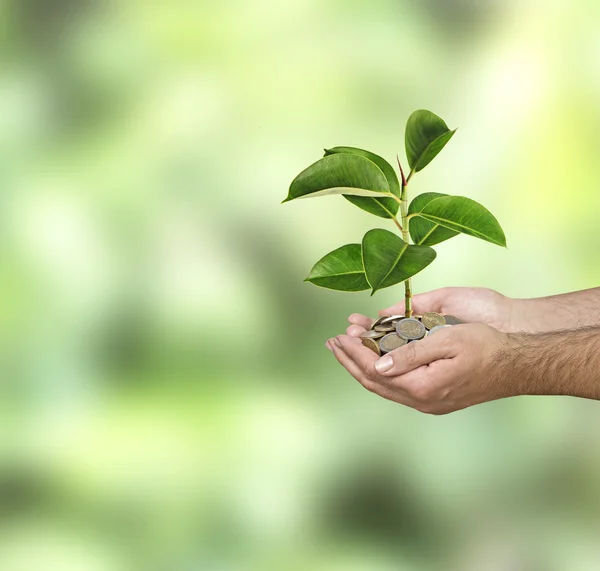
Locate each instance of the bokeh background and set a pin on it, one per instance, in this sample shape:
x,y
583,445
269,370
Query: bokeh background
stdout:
x,y
166,400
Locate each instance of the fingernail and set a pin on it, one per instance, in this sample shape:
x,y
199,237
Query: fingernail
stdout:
x,y
384,364
328,344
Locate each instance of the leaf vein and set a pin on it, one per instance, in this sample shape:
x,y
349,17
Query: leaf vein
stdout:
x,y
435,218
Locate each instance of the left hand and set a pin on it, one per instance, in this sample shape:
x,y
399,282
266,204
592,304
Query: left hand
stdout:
x,y
456,368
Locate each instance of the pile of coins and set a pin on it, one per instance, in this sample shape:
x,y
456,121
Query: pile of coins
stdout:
x,y
389,333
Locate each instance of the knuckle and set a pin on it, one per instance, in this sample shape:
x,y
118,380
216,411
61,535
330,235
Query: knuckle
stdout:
x,y
410,353
422,389
441,412
370,386
423,407
421,393
371,372
431,410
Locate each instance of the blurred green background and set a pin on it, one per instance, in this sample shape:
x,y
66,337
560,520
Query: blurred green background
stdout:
x,y
166,400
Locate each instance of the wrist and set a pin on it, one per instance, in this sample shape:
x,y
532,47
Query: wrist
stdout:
x,y
506,364
525,316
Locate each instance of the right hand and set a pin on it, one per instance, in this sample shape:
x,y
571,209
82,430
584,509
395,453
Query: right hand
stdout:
x,y
470,304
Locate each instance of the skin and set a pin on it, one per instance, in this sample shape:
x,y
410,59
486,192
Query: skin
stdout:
x,y
507,347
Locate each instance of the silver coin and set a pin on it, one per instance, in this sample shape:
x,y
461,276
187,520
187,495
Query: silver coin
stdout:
x,y
390,342
451,320
411,329
437,328
385,327
391,319
378,321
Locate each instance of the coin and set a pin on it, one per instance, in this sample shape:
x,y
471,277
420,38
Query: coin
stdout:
x,y
437,328
390,342
385,327
451,320
378,321
372,344
391,319
411,329
432,319
372,334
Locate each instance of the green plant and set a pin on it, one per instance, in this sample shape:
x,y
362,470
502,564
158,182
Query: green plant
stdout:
x,y
383,258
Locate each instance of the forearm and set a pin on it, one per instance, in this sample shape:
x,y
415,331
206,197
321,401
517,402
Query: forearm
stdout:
x,y
556,363
557,312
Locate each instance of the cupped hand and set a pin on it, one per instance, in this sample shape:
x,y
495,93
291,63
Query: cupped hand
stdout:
x,y
469,304
455,368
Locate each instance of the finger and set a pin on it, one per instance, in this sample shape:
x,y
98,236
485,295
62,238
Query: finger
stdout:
x,y
414,355
363,357
429,301
351,366
328,344
421,303
416,386
361,320
355,330
362,366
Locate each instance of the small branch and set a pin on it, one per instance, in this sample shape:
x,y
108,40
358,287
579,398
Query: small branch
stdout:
x,y
404,181
395,220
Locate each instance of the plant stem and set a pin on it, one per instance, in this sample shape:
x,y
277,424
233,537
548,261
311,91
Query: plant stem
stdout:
x,y
398,200
406,236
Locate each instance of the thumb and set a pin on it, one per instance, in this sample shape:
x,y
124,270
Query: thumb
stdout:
x,y
421,303
414,355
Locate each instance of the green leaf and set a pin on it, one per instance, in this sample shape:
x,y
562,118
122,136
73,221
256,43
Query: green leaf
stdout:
x,y
426,135
424,232
340,174
383,207
466,216
341,270
389,260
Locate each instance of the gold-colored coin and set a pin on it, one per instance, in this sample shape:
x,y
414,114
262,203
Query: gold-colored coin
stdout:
x,y
390,342
432,319
385,327
372,334
372,344
411,329
451,320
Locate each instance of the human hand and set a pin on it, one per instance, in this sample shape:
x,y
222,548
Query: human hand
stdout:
x,y
470,304
455,368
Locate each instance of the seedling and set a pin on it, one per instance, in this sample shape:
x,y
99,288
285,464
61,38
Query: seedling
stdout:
x,y
384,259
